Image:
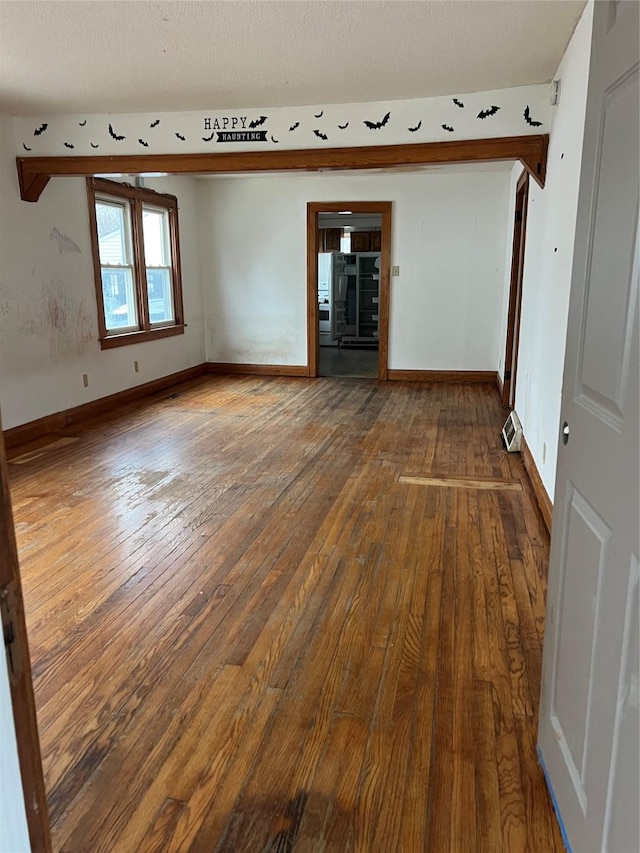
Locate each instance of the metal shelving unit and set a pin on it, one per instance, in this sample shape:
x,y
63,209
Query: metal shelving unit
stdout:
x,y
357,290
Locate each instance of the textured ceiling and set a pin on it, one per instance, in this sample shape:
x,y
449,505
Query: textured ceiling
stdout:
x,y
108,56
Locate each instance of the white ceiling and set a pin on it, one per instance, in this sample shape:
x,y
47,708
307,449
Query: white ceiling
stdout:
x,y
351,221
116,56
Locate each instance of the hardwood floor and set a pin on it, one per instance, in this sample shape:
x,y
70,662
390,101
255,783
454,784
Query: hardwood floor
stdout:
x,y
248,634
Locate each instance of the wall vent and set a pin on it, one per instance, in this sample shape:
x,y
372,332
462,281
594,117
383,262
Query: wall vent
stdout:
x,y
512,433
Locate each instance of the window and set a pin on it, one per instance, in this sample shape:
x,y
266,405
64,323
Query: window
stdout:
x,y
345,241
136,262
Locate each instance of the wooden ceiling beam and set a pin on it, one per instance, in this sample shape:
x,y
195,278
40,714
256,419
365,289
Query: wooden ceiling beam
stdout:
x,y
34,172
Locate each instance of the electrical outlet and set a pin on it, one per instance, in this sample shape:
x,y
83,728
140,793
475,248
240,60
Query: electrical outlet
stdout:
x,y
395,270
85,380
135,366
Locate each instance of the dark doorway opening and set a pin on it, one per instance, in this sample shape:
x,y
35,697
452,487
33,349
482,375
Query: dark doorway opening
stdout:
x,y
354,313
515,292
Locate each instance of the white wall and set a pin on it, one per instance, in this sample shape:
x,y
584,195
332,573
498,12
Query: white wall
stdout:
x,y
548,262
280,128
14,836
448,238
48,313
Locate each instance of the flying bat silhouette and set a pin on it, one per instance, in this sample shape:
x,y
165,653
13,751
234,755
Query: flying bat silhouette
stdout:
x,y
343,126
82,123
94,146
114,135
417,127
458,103
69,145
293,126
320,134
208,138
376,125
319,114
40,129
447,127
529,120
180,137
274,140
155,123
490,112
258,121
142,142
25,147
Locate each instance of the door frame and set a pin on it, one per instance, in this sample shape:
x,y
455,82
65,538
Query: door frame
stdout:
x,y
515,292
383,208
20,675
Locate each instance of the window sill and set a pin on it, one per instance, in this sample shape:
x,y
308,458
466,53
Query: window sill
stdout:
x,y
127,338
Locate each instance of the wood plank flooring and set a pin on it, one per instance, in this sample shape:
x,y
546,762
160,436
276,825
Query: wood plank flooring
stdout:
x,y
248,635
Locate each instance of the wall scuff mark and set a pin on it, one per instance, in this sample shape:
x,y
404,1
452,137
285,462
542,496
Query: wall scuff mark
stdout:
x,y
65,321
65,244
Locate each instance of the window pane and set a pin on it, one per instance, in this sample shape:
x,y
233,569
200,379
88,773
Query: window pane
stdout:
x,y
154,227
111,233
119,299
160,296
345,241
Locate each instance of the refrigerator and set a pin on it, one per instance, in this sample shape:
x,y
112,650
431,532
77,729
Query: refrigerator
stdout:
x,y
326,308
337,297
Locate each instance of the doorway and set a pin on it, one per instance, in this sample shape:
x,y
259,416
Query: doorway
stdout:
x,y
515,292
348,293
348,255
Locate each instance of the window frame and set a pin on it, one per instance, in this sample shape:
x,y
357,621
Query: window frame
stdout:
x,y
101,189
166,253
128,258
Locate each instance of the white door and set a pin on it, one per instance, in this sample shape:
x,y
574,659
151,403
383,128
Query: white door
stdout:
x,y
589,724
14,835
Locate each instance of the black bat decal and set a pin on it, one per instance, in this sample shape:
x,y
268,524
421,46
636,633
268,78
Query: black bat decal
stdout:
x,y
417,127
343,126
490,112
274,140
447,127
82,123
69,145
25,147
320,114
155,123
40,129
208,138
94,146
320,134
529,120
293,126
180,137
376,125
114,135
258,121
458,103
142,142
